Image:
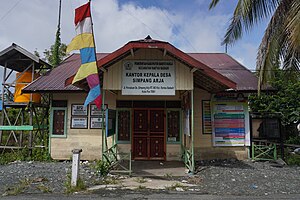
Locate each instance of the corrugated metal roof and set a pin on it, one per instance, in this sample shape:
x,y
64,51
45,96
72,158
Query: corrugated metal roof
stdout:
x,y
229,67
54,80
217,66
19,59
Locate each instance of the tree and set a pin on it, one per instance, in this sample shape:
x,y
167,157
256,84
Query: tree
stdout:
x,y
50,54
280,45
284,100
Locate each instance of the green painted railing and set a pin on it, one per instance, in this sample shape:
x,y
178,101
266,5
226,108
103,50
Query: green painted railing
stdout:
x,y
16,128
264,151
188,159
116,160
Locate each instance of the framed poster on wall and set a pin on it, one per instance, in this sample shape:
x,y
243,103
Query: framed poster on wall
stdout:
x,y
230,124
79,122
79,110
96,122
95,111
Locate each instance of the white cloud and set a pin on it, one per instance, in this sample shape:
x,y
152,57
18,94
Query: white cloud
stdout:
x,y
115,25
32,24
203,32
246,54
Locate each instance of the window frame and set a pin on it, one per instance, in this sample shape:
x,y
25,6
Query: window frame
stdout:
x,y
203,117
65,122
180,125
117,126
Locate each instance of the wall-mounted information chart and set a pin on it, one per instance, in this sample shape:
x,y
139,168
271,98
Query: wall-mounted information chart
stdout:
x,y
229,124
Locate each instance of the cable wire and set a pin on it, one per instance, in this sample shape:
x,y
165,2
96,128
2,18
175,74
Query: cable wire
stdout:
x,y
5,14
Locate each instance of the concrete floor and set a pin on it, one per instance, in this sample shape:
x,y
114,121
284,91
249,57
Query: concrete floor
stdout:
x,y
158,168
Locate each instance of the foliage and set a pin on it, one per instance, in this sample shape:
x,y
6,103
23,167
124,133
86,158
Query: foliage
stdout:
x,y
284,100
51,55
69,189
37,154
102,167
293,140
57,44
280,43
293,159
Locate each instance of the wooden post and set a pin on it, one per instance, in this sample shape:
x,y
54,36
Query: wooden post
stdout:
x,y
192,131
2,97
75,166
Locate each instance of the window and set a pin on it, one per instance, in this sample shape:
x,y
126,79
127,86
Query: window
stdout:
x,y
206,117
58,122
173,126
124,125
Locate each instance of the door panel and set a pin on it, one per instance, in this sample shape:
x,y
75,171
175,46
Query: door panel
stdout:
x,y
156,148
157,122
140,121
149,134
140,148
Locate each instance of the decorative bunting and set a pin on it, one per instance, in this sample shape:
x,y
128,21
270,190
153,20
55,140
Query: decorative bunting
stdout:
x,y
84,41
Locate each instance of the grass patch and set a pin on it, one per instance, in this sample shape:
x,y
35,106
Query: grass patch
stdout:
x,y
168,175
110,181
141,187
176,185
69,189
107,181
19,188
140,180
43,188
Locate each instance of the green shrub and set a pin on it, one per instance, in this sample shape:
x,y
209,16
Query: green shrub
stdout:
x,y
293,159
102,167
293,140
37,154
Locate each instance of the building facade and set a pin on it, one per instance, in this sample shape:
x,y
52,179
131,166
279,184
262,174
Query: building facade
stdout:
x,y
159,103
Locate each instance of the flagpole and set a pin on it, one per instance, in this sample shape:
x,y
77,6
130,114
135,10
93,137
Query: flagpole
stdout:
x,y
102,106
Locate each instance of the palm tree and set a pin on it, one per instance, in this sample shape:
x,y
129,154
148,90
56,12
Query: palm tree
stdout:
x,y
280,45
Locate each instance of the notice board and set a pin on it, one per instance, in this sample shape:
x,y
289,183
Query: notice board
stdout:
x,y
230,124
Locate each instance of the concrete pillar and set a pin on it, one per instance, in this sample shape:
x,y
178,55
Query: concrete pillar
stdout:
x,y
75,166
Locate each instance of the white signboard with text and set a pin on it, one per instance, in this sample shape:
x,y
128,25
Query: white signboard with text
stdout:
x,y
148,77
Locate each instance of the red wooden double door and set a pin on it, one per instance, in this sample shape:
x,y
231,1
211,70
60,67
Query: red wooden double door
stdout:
x,y
149,134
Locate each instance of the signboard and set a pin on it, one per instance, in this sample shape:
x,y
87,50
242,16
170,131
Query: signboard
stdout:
x,y
0,105
230,124
148,77
79,122
94,110
79,109
96,122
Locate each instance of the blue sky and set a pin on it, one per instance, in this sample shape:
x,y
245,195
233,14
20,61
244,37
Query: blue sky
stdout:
x,y
188,25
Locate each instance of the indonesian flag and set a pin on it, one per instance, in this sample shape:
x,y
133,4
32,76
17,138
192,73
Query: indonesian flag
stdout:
x,y
84,41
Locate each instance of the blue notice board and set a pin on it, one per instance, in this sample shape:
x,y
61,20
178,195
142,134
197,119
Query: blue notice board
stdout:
x,y
0,104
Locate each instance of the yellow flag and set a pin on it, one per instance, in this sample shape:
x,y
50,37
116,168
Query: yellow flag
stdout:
x,y
81,41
